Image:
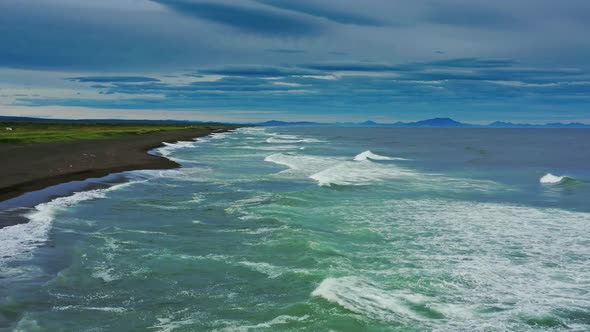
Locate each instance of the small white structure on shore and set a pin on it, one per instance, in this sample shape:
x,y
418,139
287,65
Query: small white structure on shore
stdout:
x,y
8,128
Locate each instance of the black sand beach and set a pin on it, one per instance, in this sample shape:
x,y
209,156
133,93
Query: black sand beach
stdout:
x,y
34,166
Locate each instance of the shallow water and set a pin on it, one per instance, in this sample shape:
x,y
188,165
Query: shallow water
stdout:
x,y
317,229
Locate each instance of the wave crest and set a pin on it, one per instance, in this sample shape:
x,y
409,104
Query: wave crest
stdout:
x,y
366,298
357,174
329,171
556,179
369,155
19,241
284,140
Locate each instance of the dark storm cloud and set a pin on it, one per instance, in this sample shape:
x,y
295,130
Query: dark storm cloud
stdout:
x,y
252,19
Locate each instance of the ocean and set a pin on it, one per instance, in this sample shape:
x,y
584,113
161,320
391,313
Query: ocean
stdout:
x,y
316,229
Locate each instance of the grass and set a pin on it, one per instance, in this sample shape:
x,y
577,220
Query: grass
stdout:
x,y
30,132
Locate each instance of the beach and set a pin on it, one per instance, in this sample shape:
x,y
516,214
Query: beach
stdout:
x,y
34,166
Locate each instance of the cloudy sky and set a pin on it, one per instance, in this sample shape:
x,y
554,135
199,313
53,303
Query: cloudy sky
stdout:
x,y
322,60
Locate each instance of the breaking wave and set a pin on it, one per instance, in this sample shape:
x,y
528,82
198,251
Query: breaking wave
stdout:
x,y
357,173
367,298
329,171
368,155
305,164
19,241
556,179
279,140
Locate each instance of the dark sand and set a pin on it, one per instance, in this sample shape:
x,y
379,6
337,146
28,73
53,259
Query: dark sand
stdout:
x,y
29,167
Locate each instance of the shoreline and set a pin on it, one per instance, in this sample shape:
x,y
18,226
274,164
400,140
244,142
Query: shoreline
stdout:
x,y
33,167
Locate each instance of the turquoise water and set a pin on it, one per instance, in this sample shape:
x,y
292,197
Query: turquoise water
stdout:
x,y
317,229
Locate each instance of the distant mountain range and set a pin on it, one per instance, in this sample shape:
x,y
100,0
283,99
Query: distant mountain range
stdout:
x,y
430,123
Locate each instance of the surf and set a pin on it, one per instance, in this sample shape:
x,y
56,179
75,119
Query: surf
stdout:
x,y
357,174
369,155
365,297
551,179
19,241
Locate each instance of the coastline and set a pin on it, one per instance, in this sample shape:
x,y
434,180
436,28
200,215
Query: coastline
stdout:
x,y
35,166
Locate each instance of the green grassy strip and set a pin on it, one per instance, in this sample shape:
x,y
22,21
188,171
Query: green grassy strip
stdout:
x,y
51,132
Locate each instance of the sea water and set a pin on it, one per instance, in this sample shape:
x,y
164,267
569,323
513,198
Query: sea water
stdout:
x,y
317,229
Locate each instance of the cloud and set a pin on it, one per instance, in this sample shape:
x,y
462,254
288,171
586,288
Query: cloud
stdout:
x,y
459,63
54,35
333,57
159,35
435,88
79,112
472,63
473,14
325,11
285,51
258,71
110,79
258,20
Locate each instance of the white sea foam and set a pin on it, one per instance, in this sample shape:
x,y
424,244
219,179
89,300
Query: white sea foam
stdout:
x,y
141,231
164,207
364,297
373,156
551,179
280,320
358,173
104,273
287,137
218,135
302,164
26,324
251,130
169,324
197,198
19,241
77,308
274,140
271,148
241,206
169,148
209,257
479,256
328,171
336,171
270,270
